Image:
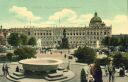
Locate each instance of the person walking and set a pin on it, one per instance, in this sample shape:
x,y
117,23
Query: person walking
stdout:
x,y
97,73
17,69
111,70
6,70
106,70
123,70
3,69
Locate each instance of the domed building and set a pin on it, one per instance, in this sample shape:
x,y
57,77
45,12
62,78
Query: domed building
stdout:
x,y
50,37
96,22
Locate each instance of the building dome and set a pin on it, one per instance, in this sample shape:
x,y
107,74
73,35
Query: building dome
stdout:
x,y
96,19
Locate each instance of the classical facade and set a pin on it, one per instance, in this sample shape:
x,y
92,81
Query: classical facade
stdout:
x,y
77,36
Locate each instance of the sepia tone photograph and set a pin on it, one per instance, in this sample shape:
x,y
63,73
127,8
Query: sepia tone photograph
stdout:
x,y
64,41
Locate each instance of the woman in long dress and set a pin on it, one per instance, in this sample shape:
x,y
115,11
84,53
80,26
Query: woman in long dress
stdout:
x,y
97,73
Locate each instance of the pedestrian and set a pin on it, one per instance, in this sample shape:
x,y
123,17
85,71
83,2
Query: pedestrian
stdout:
x,y
68,67
3,69
111,70
97,73
106,70
92,69
65,56
6,69
123,70
17,69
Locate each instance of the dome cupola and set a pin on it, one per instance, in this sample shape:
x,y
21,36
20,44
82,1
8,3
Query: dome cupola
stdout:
x,y
96,18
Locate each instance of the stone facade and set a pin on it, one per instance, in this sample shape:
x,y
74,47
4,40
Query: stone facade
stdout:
x,y
77,36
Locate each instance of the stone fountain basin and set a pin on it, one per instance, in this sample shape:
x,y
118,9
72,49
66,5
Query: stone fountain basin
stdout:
x,y
40,64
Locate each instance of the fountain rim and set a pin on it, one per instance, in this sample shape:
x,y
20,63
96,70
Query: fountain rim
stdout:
x,y
25,61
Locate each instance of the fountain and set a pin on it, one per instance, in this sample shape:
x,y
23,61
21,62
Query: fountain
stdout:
x,y
41,68
40,64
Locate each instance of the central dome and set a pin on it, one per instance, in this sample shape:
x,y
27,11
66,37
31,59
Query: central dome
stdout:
x,y
95,19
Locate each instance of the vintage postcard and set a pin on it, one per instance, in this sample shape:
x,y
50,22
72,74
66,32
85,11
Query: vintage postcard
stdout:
x,y
64,41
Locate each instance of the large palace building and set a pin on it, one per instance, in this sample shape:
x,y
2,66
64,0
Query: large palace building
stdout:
x,y
49,37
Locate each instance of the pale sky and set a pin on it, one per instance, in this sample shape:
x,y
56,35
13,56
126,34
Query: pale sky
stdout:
x,y
70,12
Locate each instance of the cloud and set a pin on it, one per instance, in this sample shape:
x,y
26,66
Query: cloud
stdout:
x,y
70,18
23,12
119,24
65,13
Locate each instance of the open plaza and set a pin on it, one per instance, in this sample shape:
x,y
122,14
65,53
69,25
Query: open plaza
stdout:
x,y
73,75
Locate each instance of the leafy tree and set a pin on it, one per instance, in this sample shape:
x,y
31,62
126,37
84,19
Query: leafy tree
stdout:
x,y
85,55
83,76
2,41
121,42
25,52
9,56
23,39
103,61
14,39
114,41
32,41
106,41
2,49
118,60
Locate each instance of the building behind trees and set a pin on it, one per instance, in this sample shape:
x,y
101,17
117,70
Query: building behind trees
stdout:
x,y
77,36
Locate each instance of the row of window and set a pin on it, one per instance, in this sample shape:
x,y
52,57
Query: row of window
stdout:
x,y
88,33
74,42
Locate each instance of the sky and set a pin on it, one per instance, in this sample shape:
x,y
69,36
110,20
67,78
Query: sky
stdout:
x,y
19,13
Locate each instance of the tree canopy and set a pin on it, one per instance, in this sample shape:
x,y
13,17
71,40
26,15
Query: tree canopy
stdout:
x,y
14,39
32,41
85,55
115,41
24,39
25,52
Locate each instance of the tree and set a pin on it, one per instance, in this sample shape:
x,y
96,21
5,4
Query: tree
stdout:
x,y
2,41
103,61
9,56
111,41
25,52
14,39
23,39
114,41
118,59
106,41
85,55
32,41
83,76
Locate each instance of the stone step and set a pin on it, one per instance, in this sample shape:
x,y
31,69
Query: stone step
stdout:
x,y
54,75
11,79
16,77
55,78
18,73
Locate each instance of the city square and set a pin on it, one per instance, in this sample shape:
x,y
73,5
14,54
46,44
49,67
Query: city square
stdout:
x,y
64,41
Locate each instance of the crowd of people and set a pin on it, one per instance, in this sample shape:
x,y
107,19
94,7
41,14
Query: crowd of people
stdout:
x,y
96,72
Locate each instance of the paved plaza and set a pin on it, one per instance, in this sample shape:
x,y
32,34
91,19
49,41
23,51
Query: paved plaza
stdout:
x,y
75,67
